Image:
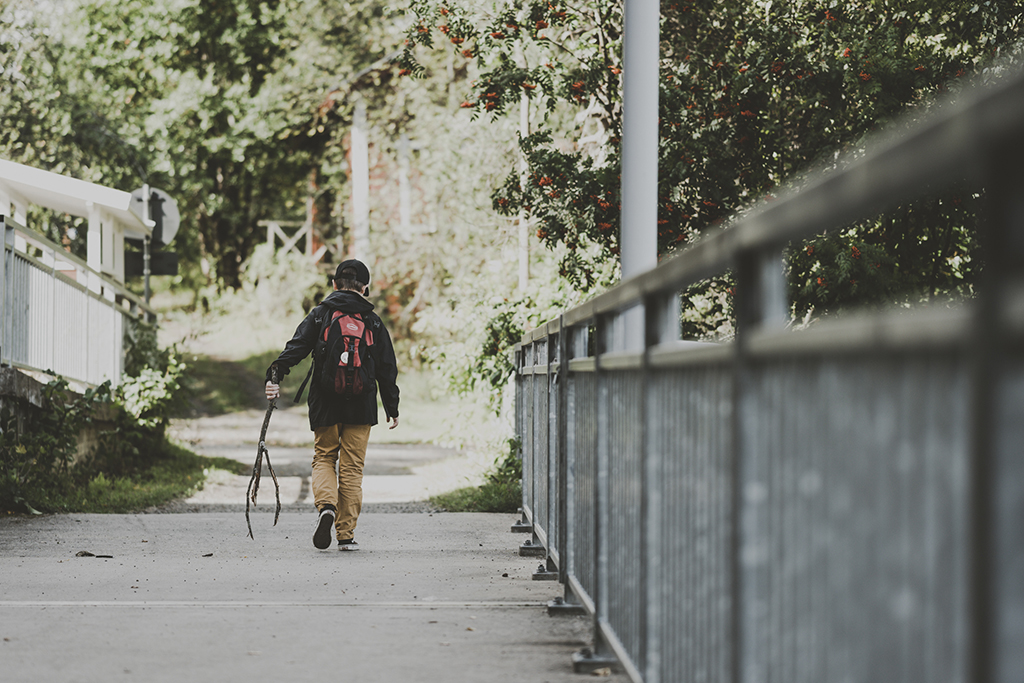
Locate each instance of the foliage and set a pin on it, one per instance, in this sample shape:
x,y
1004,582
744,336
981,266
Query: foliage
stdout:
x,y
751,95
221,386
925,251
555,56
510,468
485,498
149,396
278,281
132,466
46,465
142,348
231,106
149,388
475,336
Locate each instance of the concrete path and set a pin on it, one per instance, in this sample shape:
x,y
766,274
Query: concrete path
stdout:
x,y
189,597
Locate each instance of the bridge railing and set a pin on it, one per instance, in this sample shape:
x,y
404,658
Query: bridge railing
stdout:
x,y
57,314
841,503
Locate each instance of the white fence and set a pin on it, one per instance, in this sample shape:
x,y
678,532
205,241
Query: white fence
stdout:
x,y
59,315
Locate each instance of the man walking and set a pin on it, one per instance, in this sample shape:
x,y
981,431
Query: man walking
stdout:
x,y
353,355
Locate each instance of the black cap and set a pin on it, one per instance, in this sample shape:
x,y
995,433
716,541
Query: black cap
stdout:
x,y
357,271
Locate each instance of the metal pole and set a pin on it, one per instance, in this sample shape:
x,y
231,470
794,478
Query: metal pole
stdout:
x,y
523,221
639,236
997,501
360,162
8,238
145,267
404,190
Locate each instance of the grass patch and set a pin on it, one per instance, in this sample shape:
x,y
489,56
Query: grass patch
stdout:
x,y
489,497
177,474
216,387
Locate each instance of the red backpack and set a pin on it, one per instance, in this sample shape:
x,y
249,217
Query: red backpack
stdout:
x,y
346,366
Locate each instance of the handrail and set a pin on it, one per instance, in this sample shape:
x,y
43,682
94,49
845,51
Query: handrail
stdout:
x,y
832,503
75,326
45,244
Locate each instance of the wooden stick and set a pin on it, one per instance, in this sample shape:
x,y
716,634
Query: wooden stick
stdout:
x,y
257,468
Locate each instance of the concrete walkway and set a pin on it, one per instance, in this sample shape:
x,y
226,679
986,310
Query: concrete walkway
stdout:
x,y
189,597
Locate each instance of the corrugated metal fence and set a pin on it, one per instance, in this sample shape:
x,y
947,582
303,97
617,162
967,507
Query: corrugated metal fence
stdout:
x,y
839,504
58,315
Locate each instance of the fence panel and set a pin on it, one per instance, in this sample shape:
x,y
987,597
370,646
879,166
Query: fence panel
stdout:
x,y
863,518
690,435
529,457
541,470
625,511
582,456
70,355
1008,662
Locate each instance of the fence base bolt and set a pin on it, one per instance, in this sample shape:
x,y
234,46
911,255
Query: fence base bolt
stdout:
x,y
586,662
544,574
529,549
559,607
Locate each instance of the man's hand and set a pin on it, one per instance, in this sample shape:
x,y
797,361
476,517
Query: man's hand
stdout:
x,y
393,422
273,391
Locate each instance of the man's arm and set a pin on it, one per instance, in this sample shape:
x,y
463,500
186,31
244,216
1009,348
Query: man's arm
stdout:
x,y
387,376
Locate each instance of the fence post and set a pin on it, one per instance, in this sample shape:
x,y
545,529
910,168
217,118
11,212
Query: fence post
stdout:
x,y
572,344
8,237
997,469
760,301
587,661
522,526
52,332
661,324
562,477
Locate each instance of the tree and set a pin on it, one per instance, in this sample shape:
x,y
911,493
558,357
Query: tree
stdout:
x,y
752,94
223,103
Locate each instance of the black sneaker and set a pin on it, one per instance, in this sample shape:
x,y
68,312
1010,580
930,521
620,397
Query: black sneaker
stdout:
x,y
347,544
324,529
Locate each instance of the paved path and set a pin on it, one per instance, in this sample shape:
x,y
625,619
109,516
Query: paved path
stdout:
x,y
394,473
189,597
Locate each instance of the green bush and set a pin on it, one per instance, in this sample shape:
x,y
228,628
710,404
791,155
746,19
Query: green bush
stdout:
x,y
132,466
36,451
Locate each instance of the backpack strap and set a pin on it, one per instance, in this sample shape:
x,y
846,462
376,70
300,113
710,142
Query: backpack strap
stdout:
x,y
323,328
302,387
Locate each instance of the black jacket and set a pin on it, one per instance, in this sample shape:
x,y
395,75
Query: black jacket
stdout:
x,y
326,409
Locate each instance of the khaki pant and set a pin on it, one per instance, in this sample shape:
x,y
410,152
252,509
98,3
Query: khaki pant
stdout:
x,y
339,453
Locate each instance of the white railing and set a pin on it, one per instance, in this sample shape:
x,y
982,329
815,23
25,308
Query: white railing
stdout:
x,y
59,315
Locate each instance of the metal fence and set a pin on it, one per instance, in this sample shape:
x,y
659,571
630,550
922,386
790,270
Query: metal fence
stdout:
x,y
843,503
59,315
